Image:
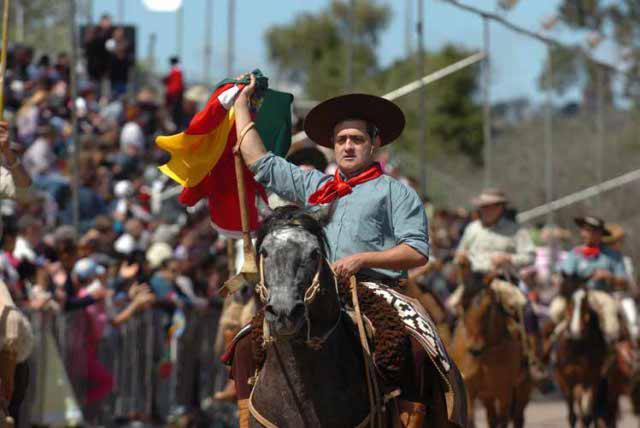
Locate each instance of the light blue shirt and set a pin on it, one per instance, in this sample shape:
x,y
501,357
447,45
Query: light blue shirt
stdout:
x,y
577,264
376,216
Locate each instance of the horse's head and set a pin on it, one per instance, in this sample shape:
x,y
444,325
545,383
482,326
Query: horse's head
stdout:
x,y
579,314
478,303
291,250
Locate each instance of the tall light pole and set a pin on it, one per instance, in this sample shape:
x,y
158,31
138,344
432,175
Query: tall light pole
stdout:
x,y
206,57
75,204
422,106
180,31
121,11
352,24
486,107
231,30
408,21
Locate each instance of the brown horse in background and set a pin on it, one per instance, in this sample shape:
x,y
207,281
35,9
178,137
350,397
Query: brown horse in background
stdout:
x,y
581,362
491,357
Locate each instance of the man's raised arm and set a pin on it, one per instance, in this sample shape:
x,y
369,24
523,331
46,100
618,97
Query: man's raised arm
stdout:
x,y
252,147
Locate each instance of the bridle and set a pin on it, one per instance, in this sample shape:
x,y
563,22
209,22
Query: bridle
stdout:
x,y
313,342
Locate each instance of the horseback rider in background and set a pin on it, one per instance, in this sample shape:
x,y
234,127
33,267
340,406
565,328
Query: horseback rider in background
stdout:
x,y
492,251
604,271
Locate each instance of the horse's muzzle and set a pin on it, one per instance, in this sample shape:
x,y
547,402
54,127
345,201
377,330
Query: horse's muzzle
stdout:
x,y
285,321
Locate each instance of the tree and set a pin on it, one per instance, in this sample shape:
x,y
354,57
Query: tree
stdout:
x,y
312,50
46,24
571,68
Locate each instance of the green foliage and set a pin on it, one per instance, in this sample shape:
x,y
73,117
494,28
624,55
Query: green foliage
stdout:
x,y
313,49
46,25
622,19
314,46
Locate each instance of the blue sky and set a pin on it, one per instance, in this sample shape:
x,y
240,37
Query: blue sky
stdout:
x,y
516,60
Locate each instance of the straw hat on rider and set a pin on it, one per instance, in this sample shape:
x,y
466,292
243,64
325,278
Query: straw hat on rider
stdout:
x,y
616,233
593,223
488,197
382,113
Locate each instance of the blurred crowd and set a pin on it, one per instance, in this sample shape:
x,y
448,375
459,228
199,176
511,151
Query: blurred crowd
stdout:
x,y
137,256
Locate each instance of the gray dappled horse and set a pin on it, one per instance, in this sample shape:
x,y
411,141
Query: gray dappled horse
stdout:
x,y
314,373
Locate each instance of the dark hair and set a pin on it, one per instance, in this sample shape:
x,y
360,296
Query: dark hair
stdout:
x,y
370,127
174,60
289,216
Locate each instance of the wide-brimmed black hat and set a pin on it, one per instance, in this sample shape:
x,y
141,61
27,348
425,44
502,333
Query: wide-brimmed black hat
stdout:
x,y
384,114
592,222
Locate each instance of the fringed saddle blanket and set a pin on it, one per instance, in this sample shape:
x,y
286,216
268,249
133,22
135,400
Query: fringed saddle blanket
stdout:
x,y
417,322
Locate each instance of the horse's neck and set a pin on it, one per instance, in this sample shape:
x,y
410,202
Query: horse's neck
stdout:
x,y
299,386
497,323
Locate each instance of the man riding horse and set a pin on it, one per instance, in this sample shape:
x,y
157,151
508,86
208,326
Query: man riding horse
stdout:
x,y
604,272
378,226
495,246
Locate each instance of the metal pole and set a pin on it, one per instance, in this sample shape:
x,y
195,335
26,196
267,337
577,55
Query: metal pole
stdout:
x,y
548,144
89,12
422,106
486,108
74,118
600,133
206,64
408,20
121,11
3,53
19,21
151,54
352,8
179,31
231,29
548,138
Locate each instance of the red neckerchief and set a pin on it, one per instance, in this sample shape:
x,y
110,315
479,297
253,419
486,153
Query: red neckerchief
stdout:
x,y
337,188
589,251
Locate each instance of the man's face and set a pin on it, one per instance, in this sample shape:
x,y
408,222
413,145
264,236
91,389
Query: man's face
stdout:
x,y
490,214
353,146
591,236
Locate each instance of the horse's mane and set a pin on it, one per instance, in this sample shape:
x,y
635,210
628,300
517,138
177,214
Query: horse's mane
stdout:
x,y
291,216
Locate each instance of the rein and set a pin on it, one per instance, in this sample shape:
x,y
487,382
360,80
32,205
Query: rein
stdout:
x,y
313,342
375,416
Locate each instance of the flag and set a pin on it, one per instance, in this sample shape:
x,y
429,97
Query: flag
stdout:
x,y
202,159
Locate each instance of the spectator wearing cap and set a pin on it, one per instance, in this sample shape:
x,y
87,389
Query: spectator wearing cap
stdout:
x,y
88,277
67,283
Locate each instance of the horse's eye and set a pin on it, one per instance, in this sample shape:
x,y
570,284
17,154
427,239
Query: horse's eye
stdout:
x,y
315,254
263,253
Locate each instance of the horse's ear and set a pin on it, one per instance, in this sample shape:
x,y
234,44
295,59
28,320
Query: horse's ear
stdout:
x,y
321,213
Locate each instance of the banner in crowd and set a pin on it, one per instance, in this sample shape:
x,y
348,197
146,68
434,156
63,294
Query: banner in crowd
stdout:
x,y
202,159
